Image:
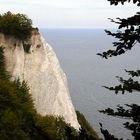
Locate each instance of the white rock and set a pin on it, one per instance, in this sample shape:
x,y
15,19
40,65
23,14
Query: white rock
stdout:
x,y
41,70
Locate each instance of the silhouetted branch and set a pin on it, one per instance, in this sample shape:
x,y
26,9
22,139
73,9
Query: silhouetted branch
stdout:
x,y
116,2
127,38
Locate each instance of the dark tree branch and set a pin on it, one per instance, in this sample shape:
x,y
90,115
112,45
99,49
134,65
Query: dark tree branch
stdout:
x,y
128,85
133,73
116,2
107,135
132,113
128,35
127,38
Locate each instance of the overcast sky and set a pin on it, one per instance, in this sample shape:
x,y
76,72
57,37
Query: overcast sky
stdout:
x,y
68,13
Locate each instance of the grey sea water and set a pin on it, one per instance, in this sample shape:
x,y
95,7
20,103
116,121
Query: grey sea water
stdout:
x,y
87,73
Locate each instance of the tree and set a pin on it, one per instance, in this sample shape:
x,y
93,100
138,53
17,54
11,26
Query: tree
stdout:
x,y
19,119
17,25
128,35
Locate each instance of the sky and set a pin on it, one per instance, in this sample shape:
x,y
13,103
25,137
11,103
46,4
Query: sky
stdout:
x,y
69,13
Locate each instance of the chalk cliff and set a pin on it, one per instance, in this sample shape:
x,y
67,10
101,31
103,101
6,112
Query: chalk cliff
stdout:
x,y
41,70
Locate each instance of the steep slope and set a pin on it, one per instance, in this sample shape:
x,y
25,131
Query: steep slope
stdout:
x,y
41,69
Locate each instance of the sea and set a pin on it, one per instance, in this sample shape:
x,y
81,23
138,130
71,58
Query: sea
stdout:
x,y
87,73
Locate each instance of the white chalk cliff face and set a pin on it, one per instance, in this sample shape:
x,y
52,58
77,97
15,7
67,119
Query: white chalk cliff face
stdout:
x,y
41,70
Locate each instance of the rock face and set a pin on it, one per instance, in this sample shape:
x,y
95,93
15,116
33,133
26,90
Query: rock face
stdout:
x,y
41,70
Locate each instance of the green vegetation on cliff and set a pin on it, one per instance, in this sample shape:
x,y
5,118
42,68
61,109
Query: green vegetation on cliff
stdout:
x,y
17,25
19,119
86,127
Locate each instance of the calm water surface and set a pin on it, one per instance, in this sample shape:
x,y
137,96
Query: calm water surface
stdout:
x,y
87,73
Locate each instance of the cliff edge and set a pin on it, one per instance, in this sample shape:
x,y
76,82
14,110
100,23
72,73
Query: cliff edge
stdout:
x,y
41,70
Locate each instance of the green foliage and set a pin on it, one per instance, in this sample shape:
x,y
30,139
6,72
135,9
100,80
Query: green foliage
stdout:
x,y
128,35
20,121
54,127
11,113
87,131
17,25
